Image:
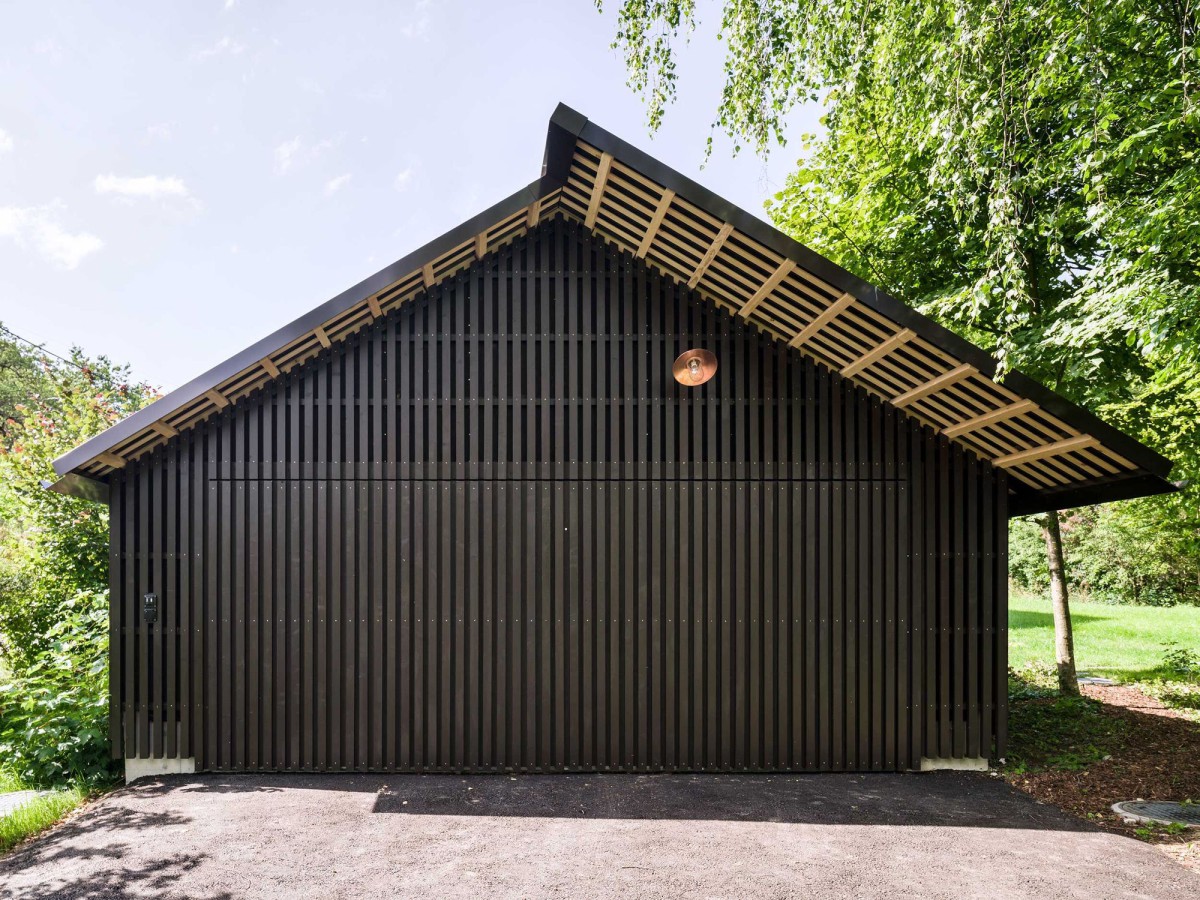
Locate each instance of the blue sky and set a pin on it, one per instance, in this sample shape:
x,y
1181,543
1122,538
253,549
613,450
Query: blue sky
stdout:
x,y
178,180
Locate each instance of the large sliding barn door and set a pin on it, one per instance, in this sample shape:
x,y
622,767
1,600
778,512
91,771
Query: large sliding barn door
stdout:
x,y
491,532
599,625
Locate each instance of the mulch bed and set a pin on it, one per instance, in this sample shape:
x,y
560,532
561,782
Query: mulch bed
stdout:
x,y
1157,758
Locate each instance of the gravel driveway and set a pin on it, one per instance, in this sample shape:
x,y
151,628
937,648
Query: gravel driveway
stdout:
x,y
936,835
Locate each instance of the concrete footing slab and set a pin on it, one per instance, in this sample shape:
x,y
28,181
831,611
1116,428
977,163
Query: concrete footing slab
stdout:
x,y
147,768
963,764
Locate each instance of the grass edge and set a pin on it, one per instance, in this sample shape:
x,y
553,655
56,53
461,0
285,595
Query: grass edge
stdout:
x,y
38,815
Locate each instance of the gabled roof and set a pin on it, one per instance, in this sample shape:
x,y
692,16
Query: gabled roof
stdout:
x,y
1057,454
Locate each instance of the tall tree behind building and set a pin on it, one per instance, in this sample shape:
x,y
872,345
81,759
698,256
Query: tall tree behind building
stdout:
x,y
1024,171
52,547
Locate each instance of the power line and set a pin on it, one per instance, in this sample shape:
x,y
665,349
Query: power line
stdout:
x,y
41,347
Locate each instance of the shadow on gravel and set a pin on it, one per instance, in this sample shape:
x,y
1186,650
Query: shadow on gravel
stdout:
x,y
943,799
64,847
109,818
153,879
247,784
951,799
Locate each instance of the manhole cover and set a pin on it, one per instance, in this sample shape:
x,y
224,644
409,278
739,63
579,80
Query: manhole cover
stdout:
x,y
1162,811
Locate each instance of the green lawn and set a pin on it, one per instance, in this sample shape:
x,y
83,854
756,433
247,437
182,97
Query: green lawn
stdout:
x,y
37,815
1121,642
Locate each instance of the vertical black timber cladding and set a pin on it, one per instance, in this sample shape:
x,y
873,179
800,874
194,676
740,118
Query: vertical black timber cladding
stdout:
x,y
489,532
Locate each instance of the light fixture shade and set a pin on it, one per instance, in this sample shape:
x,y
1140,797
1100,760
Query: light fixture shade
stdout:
x,y
694,367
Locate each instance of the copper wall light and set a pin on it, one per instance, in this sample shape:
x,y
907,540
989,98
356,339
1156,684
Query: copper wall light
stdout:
x,y
694,367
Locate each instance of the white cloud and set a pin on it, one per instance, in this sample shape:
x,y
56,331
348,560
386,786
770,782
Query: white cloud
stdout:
x,y
403,179
418,26
226,46
230,4
336,184
6,141
143,187
296,153
286,153
376,94
310,86
37,228
49,48
160,131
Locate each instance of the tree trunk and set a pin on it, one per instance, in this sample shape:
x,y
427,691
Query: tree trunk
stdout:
x,y
1064,639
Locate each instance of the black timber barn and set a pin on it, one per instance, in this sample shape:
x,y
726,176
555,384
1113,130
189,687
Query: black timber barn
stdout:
x,y
462,517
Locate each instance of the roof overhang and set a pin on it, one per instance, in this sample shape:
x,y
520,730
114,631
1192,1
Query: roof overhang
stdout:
x,y
75,485
1057,454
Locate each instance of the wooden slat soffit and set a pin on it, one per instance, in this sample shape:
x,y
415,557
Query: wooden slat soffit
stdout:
x,y
632,207
834,327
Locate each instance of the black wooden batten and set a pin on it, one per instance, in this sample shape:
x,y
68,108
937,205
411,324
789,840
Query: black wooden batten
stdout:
x,y
462,518
490,532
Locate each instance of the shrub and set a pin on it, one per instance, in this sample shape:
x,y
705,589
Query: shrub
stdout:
x,y
53,547
1142,551
1027,557
54,567
54,713
1180,661
1032,681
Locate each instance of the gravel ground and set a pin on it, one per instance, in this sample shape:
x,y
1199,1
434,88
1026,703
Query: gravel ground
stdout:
x,y
936,835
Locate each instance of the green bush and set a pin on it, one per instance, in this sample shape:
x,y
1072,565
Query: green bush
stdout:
x,y
1032,681
54,567
1049,731
54,712
1027,557
1137,552
1180,662
52,547
1141,551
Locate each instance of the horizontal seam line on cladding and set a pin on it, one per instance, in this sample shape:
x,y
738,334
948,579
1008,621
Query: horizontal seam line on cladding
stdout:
x,y
589,480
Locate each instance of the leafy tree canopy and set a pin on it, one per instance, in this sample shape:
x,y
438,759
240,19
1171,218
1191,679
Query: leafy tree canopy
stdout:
x,y
52,547
1025,171
1022,169
21,375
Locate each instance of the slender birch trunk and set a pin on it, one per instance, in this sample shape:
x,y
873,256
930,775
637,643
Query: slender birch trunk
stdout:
x,y
1064,638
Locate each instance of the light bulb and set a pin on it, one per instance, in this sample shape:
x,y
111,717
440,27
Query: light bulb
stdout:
x,y
694,367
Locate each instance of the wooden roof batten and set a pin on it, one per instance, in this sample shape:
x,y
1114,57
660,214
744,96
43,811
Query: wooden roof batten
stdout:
x,y
989,418
941,382
1054,452
900,337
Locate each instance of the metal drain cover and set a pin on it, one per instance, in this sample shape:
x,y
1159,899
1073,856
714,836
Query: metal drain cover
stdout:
x,y
1162,811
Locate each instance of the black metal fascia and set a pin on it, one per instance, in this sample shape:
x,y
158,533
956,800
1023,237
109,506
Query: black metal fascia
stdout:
x,y
177,398
75,485
1128,488
561,136
872,296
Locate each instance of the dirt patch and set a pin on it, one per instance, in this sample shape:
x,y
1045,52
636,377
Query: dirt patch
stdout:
x,y
1129,698
1151,753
